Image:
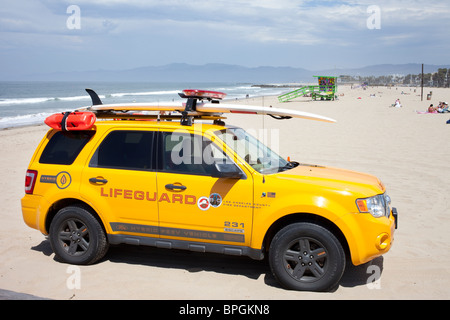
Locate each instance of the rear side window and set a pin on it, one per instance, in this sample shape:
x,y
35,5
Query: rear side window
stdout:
x,y
129,150
64,147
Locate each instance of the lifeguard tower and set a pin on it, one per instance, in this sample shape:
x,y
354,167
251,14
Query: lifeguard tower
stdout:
x,y
325,90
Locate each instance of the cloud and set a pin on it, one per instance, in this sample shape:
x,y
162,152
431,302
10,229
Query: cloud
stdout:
x,y
262,21
283,32
304,22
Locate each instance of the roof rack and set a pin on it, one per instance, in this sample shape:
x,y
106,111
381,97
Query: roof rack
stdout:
x,y
217,119
195,108
188,114
84,118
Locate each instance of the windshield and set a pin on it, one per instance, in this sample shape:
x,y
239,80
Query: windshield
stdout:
x,y
254,152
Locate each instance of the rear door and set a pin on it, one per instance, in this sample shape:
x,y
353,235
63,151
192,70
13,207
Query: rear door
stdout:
x,y
120,182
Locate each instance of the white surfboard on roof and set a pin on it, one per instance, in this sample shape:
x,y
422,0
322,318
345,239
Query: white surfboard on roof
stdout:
x,y
208,108
246,109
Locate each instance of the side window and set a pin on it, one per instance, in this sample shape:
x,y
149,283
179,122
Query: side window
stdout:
x,y
190,154
64,147
130,150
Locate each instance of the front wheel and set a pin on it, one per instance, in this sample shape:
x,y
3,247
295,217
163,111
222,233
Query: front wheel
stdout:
x,y
77,237
306,257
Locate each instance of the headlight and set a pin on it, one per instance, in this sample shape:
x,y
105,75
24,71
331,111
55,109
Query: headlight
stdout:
x,y
377,206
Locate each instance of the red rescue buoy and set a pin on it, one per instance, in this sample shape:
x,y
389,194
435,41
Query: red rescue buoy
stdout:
x,y
71,121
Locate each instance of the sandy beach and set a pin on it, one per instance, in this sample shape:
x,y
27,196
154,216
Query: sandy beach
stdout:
x,y
409,152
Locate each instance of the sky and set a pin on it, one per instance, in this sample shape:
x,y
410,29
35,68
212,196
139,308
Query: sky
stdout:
x,y
44,36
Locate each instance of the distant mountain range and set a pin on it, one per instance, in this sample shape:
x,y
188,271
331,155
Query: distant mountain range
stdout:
x,y
214,72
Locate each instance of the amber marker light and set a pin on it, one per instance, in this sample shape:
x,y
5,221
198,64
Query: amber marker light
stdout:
x,y
362,205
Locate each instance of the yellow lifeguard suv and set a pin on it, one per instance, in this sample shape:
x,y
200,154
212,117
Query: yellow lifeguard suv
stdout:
x,y
112,174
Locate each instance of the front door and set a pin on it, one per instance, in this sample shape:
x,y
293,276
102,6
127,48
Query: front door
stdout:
x,y
195,206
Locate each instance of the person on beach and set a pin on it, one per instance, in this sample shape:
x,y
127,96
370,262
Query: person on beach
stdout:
x,y
443,107
397,103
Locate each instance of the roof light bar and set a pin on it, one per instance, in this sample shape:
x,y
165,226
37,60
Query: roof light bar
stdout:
x,y
203,94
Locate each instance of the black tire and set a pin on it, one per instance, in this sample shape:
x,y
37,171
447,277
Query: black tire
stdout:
x,y
306,257
77,237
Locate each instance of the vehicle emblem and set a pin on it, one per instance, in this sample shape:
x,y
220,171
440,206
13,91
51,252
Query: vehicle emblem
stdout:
x,y
203,203
215,200
62,179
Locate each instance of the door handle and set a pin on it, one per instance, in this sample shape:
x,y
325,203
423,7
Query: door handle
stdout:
x,y
98,180
175,187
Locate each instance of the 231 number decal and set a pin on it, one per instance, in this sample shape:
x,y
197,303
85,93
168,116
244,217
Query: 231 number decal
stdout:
x,y
232,224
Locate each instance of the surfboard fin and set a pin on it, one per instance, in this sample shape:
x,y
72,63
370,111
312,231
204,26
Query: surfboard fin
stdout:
x,y
280,117
94,96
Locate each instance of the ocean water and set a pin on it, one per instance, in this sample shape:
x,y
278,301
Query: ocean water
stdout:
x,y
29,103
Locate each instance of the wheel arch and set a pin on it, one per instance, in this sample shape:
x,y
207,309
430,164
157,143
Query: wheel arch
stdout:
x,y
304,217
58,205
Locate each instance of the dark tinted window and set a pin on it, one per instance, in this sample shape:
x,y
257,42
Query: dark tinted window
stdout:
x,y
64,147
125,150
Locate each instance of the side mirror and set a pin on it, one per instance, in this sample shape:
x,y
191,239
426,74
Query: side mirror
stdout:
x,y
226,170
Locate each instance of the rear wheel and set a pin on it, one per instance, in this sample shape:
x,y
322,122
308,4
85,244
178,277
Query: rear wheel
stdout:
x,y
77,237
306,256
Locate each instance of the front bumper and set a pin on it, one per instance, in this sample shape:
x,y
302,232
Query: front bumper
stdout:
x,y
369,237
